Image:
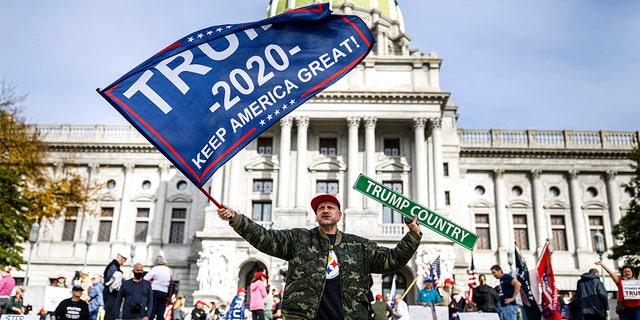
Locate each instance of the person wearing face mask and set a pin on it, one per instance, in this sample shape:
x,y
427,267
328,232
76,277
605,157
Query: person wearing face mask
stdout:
x,y
135,296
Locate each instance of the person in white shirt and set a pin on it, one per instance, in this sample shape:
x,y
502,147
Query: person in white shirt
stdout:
x,y
160,278
401,310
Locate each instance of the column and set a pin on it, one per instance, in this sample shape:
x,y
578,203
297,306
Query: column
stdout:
x,y
540,220
501,210
353,197
613,199
579,225
370,154
302,180
285,152
159,216
438,171
420,163
127,213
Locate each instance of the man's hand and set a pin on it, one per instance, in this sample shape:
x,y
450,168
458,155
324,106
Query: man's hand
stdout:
x,y
413,225
226,213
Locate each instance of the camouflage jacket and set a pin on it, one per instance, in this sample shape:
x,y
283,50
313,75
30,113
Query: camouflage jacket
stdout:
x,y
306,251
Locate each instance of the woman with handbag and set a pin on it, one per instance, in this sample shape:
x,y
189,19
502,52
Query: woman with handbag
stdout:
x,y
627,309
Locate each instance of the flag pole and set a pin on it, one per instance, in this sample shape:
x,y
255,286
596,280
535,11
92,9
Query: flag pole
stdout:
x,y
406,291
210,197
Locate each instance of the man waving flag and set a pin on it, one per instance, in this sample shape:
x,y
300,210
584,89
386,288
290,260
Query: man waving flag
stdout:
x,y
207,95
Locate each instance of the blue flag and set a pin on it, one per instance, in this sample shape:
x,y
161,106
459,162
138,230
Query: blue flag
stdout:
x,y
206,96
528,300
236,308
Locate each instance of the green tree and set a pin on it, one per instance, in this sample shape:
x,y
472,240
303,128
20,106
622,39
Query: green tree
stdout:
x,y
627,231
31,188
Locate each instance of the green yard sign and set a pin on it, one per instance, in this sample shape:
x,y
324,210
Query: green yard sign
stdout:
x,y
375,190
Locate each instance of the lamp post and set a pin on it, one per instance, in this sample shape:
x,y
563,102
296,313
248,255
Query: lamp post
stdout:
x,y
87,242
132,254
510,261
34,234
598,240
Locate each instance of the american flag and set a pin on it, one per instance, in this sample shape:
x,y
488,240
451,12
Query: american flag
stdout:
x,y
393,291
434,272
473,280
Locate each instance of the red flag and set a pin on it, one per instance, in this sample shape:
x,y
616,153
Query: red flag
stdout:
x,y
550,305
473,281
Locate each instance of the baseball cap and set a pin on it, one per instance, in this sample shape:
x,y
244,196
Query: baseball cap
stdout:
x,y
315,202
261,274
449,280
61,276
378,297
77,288
199,302
84,271
427,278
242,290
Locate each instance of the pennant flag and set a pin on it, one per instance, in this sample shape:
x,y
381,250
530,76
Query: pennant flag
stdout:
x,y
434,271
551,309
393,291
528,301
473,280
206,96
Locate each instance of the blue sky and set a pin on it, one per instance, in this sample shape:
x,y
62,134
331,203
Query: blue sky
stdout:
x,y
547,65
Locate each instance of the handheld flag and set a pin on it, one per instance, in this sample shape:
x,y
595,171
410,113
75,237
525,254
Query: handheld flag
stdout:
x,y
528,300
434,271
393,291
551,309
473,281
206,96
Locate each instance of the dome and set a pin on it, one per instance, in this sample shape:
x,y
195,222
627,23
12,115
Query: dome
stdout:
x,y
383,17
387,8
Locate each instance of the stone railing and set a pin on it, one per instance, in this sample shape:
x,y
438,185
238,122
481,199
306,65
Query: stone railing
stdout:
x,y
93,134
562,139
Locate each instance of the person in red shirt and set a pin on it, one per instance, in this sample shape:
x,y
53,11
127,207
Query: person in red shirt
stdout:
x,y
631,307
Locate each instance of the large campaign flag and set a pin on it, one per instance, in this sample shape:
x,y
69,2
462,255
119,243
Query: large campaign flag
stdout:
x,y
528,300
206,96
551,308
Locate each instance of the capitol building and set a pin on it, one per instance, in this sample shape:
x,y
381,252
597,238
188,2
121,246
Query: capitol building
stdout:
x,y
388,119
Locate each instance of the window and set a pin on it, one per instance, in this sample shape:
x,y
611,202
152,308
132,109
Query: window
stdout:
x,y
483,231
558,231
388,214
104,229
328,146
70,222
265,145
142,225
328,186
445,169
178,221
447,198
517,191
181,185
111,184
595,224
261,211
554,192
146,185
593,192
479,190
520,231
263,186
392,147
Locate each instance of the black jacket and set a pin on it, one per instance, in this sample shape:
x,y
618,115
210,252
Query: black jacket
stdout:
x,y
591,297
486,298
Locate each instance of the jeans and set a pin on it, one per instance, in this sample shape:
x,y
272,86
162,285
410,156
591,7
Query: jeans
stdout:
x,y
509,312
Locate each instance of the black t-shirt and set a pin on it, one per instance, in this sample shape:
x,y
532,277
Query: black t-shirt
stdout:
x,y
72,310
331,304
